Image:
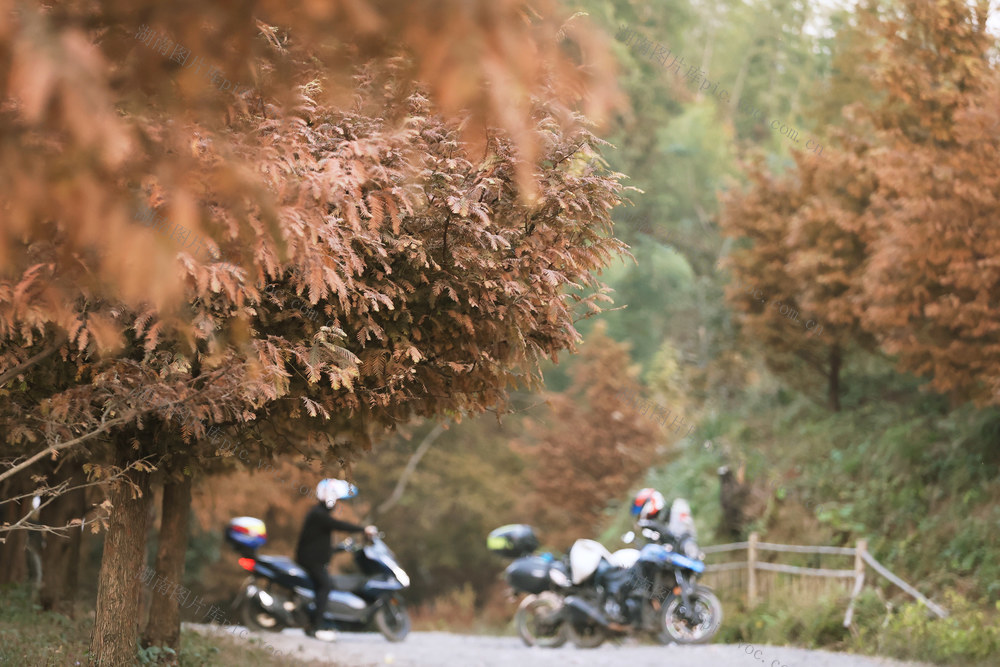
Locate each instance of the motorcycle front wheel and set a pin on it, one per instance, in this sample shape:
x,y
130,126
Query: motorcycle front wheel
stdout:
x,y
392,619
706,609
535,622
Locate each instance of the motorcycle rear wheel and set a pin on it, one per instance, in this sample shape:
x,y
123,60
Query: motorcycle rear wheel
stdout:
x,y
393,620
675,628
532,624
586,636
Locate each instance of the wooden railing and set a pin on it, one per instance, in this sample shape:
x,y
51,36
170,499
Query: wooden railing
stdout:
x,y
753,564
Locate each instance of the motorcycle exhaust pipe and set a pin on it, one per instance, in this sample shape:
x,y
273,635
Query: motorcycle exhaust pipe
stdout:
x,y
580,610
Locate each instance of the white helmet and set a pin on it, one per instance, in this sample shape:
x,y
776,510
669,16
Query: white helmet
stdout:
x,y
329,491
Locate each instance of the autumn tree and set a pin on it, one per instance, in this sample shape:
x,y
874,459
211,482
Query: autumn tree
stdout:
x,y
931,282
441,278
438,494
882,238
97,96
593,446
802,246
800,240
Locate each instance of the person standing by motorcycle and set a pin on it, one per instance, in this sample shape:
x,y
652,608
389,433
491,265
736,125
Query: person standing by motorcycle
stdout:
x,y
314,548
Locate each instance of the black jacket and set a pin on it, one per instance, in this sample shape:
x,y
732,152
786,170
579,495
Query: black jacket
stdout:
x,y
314,546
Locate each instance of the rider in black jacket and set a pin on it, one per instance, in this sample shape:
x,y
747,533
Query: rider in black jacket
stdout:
x,y
314,549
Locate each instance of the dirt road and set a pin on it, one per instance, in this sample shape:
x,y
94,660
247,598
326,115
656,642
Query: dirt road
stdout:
x,y
442,649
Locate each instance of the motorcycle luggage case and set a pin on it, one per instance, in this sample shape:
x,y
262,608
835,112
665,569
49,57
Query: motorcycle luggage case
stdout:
x,y
512,541
246,534
529,574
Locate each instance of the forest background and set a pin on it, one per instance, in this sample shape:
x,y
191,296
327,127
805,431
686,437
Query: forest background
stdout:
x,y
883,426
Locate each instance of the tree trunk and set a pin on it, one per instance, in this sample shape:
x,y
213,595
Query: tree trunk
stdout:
x,y
13,566
76,548
164,627
115,636
61,555
833,389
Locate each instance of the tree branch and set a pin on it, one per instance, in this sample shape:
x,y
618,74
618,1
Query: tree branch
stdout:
x,y
411,466
53,449
47,352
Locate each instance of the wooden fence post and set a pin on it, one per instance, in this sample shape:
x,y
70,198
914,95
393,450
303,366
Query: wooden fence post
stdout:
x,y
859,579
752,570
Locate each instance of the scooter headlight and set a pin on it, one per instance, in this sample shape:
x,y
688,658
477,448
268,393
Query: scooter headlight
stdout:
x,y
398,572
265,598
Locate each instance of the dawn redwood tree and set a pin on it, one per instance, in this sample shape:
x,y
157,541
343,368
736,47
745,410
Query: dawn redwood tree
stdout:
x,y
931,284
441,280
801,237
61,553
594,445
887,237
97,95
164,625
805,242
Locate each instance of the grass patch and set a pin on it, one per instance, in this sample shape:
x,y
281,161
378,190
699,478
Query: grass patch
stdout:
x,y
30,636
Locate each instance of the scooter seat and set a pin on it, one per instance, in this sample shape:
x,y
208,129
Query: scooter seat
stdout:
x,y
289,568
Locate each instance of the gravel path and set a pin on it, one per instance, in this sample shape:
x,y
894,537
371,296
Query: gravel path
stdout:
x,y
442,649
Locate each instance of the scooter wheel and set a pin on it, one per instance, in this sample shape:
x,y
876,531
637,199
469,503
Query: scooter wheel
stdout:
x,y
393,620
258,619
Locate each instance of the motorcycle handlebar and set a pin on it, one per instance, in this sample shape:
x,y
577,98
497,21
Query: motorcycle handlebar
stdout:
x,y
350,544
347,545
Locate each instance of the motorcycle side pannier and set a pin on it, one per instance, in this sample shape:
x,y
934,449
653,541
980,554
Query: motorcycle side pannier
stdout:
x,y
512,541
246,534
529,574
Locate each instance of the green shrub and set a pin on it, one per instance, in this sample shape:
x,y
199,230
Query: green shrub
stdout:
x,y
969,636
784,621
152,655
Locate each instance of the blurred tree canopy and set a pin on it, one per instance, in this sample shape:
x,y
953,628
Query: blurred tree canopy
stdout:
x,y
403,172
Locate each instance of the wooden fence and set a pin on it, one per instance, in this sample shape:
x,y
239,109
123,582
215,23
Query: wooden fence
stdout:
x,y
745,575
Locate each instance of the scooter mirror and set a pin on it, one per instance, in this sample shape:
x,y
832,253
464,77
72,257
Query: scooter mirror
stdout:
x,y
628,537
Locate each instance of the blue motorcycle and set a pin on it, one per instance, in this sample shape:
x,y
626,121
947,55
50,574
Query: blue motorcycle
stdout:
x,y
659,594
279,594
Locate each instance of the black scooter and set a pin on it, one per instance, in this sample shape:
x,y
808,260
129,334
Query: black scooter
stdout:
x,y
279,594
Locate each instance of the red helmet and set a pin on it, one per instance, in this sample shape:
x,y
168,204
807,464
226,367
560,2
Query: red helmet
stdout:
x,y
648,504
